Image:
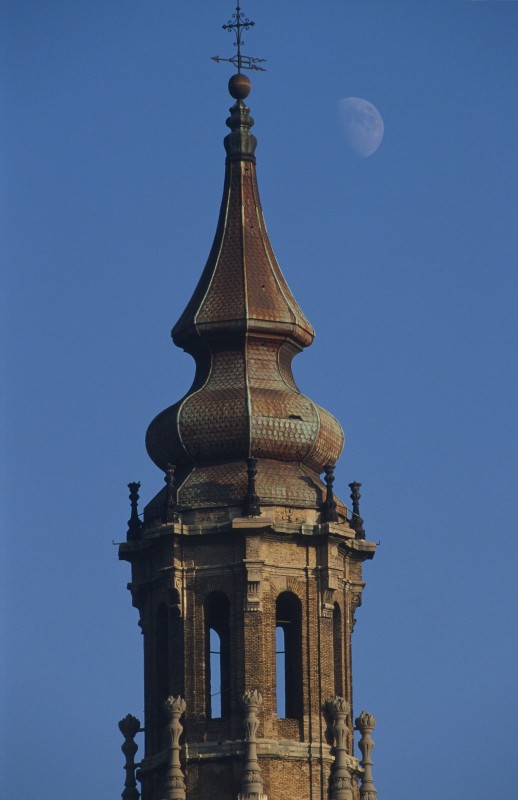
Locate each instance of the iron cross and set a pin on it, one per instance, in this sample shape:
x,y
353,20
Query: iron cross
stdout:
x,y
239,23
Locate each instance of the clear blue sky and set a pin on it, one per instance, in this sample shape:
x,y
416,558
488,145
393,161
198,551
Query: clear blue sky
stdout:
x,y
404,262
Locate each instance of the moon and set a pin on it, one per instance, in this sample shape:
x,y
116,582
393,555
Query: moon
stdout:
x,y
362,125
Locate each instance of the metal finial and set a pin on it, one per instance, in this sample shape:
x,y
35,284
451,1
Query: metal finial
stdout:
x,y
239,23
356,521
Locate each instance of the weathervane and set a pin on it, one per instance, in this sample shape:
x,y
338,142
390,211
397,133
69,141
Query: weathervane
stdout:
x,y
239,23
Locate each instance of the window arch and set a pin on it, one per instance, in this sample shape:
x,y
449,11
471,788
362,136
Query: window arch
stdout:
x,y
288,655
217,655
338,650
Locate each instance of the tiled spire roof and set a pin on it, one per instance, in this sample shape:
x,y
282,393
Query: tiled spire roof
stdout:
x,y
243,327
242,289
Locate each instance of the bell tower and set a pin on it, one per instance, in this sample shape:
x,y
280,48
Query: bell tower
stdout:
x,y
246,569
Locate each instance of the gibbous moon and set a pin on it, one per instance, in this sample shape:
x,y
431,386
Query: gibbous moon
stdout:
x,y
362,125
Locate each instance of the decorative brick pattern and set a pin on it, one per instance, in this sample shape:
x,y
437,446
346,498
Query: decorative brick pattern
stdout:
x,y
229,562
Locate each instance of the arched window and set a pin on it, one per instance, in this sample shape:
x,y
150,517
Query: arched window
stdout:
x,y
338,655
288,655
217,655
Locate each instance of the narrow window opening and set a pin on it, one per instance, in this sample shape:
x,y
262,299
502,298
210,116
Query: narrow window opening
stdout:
x,y
215,674
288,656
217,656
280,670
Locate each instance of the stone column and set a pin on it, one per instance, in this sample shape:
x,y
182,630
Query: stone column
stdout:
x,y
365,725
252,784
341,787
129,727
174,784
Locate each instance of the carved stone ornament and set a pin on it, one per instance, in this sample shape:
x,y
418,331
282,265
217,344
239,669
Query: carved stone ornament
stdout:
x,y
174,784
251,781
365,725
129,727
330,578
355,603
341,786
253,584
328,594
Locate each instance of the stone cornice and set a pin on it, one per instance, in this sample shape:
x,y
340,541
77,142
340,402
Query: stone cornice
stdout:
x,y
258,526
284,749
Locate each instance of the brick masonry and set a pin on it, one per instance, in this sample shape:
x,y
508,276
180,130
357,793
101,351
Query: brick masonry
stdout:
x,y
175,569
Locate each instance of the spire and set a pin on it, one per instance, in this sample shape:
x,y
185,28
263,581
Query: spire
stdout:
x,y
243,327
242,289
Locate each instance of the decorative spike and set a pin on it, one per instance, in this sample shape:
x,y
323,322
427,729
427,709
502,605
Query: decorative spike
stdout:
x,y
134,524
170,504
341,787
129,727
329,512
357,521
174,784
365,725
252,499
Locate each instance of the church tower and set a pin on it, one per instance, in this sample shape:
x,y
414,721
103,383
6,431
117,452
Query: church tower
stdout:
x,y
246,569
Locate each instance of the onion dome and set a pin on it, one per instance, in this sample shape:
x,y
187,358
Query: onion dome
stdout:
x,y
243,327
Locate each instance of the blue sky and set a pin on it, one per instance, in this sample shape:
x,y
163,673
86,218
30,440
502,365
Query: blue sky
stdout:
x,y
404,262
